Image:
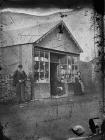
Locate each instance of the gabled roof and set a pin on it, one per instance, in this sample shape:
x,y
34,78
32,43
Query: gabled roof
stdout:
x,y
59,23
32,34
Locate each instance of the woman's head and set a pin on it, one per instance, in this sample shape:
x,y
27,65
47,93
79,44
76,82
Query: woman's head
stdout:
x,y
79,73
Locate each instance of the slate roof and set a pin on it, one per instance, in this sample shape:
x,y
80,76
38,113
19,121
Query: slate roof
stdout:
x,y
31,34
25,35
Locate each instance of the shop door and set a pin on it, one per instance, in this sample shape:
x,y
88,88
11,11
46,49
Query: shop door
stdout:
x,y
53,78
56,86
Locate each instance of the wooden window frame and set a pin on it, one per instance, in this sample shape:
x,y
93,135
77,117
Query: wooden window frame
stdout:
x,y
39,71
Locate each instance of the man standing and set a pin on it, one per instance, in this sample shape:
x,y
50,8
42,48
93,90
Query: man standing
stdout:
x,y
19,79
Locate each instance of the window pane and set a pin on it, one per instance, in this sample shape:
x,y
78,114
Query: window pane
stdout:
x,y
37,58
41,66
72,60
76,67
36,66
46,56
42,75
46,66
46,75
41,56
62,72
36,76
73,67
36,53
69,69
69,60
75,60
47,71
63,60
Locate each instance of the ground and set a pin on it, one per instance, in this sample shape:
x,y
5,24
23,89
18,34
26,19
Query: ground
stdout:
x,y
49,118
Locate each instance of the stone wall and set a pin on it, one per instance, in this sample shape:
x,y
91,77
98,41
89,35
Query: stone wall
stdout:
x,y
91,84
8,91
86,74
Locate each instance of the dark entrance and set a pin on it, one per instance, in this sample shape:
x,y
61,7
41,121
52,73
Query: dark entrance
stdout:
x,y
56,86
53,78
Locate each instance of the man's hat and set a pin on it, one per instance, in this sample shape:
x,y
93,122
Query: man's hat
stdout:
x,y
20,66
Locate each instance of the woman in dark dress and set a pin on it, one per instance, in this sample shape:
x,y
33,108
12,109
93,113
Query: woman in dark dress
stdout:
x,y
77,87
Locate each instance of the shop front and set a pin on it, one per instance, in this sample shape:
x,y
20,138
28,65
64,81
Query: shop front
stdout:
x,y
54,71
50,60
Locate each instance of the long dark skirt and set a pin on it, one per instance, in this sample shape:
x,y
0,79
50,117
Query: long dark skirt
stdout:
x,y
77,88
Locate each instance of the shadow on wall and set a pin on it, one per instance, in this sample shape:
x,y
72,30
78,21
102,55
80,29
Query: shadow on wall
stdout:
x,y
92,84
8,91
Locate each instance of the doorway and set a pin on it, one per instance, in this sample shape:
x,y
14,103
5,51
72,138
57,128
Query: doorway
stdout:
x,y
56,86
53,78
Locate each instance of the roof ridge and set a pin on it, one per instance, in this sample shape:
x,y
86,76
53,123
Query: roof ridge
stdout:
x,y
61,21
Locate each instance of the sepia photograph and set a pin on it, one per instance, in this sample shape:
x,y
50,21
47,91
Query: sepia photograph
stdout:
x,y
52,70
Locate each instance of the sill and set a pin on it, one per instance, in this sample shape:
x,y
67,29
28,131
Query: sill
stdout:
x,y
42,82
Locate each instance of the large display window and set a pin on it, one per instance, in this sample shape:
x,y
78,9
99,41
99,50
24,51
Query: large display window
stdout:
x,y
68,68
41,66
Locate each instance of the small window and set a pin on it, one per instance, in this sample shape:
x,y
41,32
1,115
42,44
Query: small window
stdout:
x,y
69,60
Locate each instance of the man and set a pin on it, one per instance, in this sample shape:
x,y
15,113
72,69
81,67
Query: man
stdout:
x,y
19,79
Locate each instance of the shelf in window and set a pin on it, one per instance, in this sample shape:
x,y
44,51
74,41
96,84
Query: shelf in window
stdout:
x,y
37,58
42,59
42,81
42,71
36,71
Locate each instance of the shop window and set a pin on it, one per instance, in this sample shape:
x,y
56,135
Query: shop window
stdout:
x,y
68,68
74,65
62,69
63,60
41,66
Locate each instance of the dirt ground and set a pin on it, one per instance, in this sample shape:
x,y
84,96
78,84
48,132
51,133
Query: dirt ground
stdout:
x,y
36,119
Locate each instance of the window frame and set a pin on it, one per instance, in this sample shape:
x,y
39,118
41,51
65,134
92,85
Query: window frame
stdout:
x,y
68,77
44,52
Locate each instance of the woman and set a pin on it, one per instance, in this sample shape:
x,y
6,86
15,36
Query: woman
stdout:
x,y
77,87
82,86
